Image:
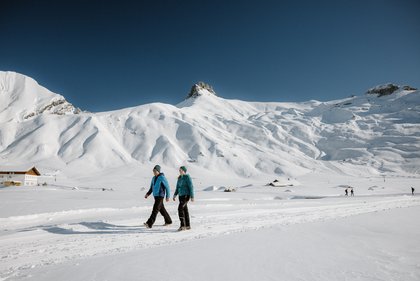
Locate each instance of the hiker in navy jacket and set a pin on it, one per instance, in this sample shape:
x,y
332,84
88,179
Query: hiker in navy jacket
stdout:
x,y
160,188
185,190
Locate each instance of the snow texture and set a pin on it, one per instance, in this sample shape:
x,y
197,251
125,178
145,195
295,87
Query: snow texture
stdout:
x,y
367,134
288,163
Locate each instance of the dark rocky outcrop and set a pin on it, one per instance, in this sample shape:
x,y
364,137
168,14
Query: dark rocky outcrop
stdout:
x,y
383,90
197,90
388,89
409,88
59,107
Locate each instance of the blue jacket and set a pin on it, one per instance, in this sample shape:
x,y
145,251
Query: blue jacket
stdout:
x,y
184,186
159,186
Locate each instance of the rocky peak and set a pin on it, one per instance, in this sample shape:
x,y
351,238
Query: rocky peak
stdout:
x,y
388,89
200,89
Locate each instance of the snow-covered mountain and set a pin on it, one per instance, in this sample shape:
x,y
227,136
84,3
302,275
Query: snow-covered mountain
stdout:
x,y
22,98
372,133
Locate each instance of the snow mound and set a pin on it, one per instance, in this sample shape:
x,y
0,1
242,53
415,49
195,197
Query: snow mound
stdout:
x,y
337,115
283,182
211,188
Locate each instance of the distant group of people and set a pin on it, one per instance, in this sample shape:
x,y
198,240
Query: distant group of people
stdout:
x,y
346,191
161,190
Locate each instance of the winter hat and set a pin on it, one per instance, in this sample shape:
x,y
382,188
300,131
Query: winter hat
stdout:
x,y
157,168
183,168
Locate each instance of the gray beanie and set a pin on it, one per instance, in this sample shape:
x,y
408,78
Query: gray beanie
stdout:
x,y
157,168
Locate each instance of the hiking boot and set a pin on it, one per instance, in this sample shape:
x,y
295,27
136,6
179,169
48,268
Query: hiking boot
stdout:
x,y
188,227
147,225
182,228
166,223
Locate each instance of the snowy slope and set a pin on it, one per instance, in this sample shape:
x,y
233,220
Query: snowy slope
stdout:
x,y
87,222
364,134
22,98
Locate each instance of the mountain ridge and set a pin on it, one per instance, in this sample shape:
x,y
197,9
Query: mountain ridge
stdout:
x,y
21,98
364,134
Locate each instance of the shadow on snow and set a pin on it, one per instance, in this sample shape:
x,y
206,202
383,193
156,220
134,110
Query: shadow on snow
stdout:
x,y
103,228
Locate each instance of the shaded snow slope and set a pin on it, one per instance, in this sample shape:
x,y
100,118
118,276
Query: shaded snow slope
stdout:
x,y
368,134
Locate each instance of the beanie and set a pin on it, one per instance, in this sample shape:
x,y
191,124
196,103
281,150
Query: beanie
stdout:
x,y
183,168
157,168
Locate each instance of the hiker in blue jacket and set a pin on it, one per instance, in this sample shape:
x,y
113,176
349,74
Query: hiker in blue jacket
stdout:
x,y
185,190
160,187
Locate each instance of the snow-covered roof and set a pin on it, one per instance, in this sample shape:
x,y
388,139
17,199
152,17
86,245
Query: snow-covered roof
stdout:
x,y
19,169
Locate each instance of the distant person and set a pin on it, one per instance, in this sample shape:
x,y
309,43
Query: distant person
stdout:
x,y
346,192
351,192
412,190
185,190
160,188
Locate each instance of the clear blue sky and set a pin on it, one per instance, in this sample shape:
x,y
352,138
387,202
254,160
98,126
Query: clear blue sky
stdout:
x,y
104,55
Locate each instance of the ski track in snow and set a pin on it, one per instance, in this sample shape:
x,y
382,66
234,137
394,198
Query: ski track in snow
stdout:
x,y
50,238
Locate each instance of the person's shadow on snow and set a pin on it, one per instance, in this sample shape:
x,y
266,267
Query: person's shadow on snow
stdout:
x,y
105,228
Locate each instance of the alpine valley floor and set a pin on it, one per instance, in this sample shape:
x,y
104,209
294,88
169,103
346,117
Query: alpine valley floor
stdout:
x,y
306,232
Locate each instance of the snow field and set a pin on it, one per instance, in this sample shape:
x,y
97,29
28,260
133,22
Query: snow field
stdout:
x,y
39,240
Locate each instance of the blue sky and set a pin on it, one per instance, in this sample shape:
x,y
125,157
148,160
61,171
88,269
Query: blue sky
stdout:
x,y
104,55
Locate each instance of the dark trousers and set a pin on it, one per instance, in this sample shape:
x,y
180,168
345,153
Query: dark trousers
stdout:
x,y
158,207
184,216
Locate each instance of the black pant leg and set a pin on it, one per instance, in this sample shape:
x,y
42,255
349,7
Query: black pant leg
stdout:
x,y
181,214
165,213
183,211
187,215
156,208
